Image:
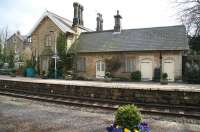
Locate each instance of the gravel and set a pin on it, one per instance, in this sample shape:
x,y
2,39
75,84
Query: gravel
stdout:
x,y
22,115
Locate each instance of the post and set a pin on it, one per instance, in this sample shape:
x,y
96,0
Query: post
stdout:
x,y
160,65
55,70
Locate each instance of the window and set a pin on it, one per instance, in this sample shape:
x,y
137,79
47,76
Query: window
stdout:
x,y
29,40
129,65
81,64
98,66
49,40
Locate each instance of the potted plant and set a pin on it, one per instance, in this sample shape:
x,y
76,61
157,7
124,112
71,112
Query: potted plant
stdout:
x,y
69,75
128,119
164,79
13,73
44,76
108,77
136,76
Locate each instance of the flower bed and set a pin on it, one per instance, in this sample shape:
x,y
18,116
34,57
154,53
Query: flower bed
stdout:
x,y
142,127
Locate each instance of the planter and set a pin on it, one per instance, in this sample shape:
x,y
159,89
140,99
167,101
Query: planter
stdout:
x,y
108,79
68,77
13,75
44,77
30,72
164,82
142,127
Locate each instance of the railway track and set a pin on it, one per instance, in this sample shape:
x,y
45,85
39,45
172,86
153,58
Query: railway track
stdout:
x,y
190,112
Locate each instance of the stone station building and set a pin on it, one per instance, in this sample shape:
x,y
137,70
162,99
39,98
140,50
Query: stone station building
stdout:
x,y
136,49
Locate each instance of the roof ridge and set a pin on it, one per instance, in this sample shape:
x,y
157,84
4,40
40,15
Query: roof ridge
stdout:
x,y
59,16
155,27
111,30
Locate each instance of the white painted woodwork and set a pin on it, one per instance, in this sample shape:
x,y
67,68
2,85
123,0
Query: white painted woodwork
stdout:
x,y
100,69
168,67
146,67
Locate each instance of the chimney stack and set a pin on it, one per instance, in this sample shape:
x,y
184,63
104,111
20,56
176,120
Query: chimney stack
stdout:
x,y
76,19
78,14
117,27
81,14
99,22
18,32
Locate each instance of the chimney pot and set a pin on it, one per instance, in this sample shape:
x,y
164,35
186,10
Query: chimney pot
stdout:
x,y
18,32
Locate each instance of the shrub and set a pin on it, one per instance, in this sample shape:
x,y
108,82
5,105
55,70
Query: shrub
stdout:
x,y
13,70
113,64
193,76
128,116
164,76
51,73
136,76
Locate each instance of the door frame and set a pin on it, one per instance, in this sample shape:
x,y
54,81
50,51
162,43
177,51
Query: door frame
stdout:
x,y
169,59
151,58
101,72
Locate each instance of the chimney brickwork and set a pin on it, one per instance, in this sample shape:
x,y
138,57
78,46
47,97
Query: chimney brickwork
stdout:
x,y
78,14
99,22
117,27
76,19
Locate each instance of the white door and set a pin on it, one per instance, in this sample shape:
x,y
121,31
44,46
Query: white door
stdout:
x,y
100,69
168,67
146,69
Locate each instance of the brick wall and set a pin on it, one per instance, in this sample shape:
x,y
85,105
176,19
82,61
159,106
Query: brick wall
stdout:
x,y
91,59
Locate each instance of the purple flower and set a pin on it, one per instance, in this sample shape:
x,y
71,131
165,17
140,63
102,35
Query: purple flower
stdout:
x,y
144,127
113,129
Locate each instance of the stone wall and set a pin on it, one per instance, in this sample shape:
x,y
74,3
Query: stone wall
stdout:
x,y
39,39
146,95
91,59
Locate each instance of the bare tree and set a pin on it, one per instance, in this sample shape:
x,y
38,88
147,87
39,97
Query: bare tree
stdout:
x,y
3,37
190,15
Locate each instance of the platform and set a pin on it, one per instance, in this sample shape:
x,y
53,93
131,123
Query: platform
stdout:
x,y
125,85
135,92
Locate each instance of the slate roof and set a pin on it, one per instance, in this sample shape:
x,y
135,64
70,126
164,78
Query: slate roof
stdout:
x,y
21,37
64,24
145,39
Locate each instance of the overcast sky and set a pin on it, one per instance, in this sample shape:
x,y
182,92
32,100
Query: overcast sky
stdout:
x,y
23,14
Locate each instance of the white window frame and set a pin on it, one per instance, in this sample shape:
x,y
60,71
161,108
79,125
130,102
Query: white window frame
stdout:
x,y
81,64
129,64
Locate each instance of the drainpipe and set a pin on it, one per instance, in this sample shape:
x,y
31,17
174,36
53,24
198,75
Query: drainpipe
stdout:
x,y
55,57
160,64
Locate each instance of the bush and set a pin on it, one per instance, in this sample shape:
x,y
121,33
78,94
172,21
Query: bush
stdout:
x,y
136,76
193,76
13,70
128,116
164,76
113,64
51,73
